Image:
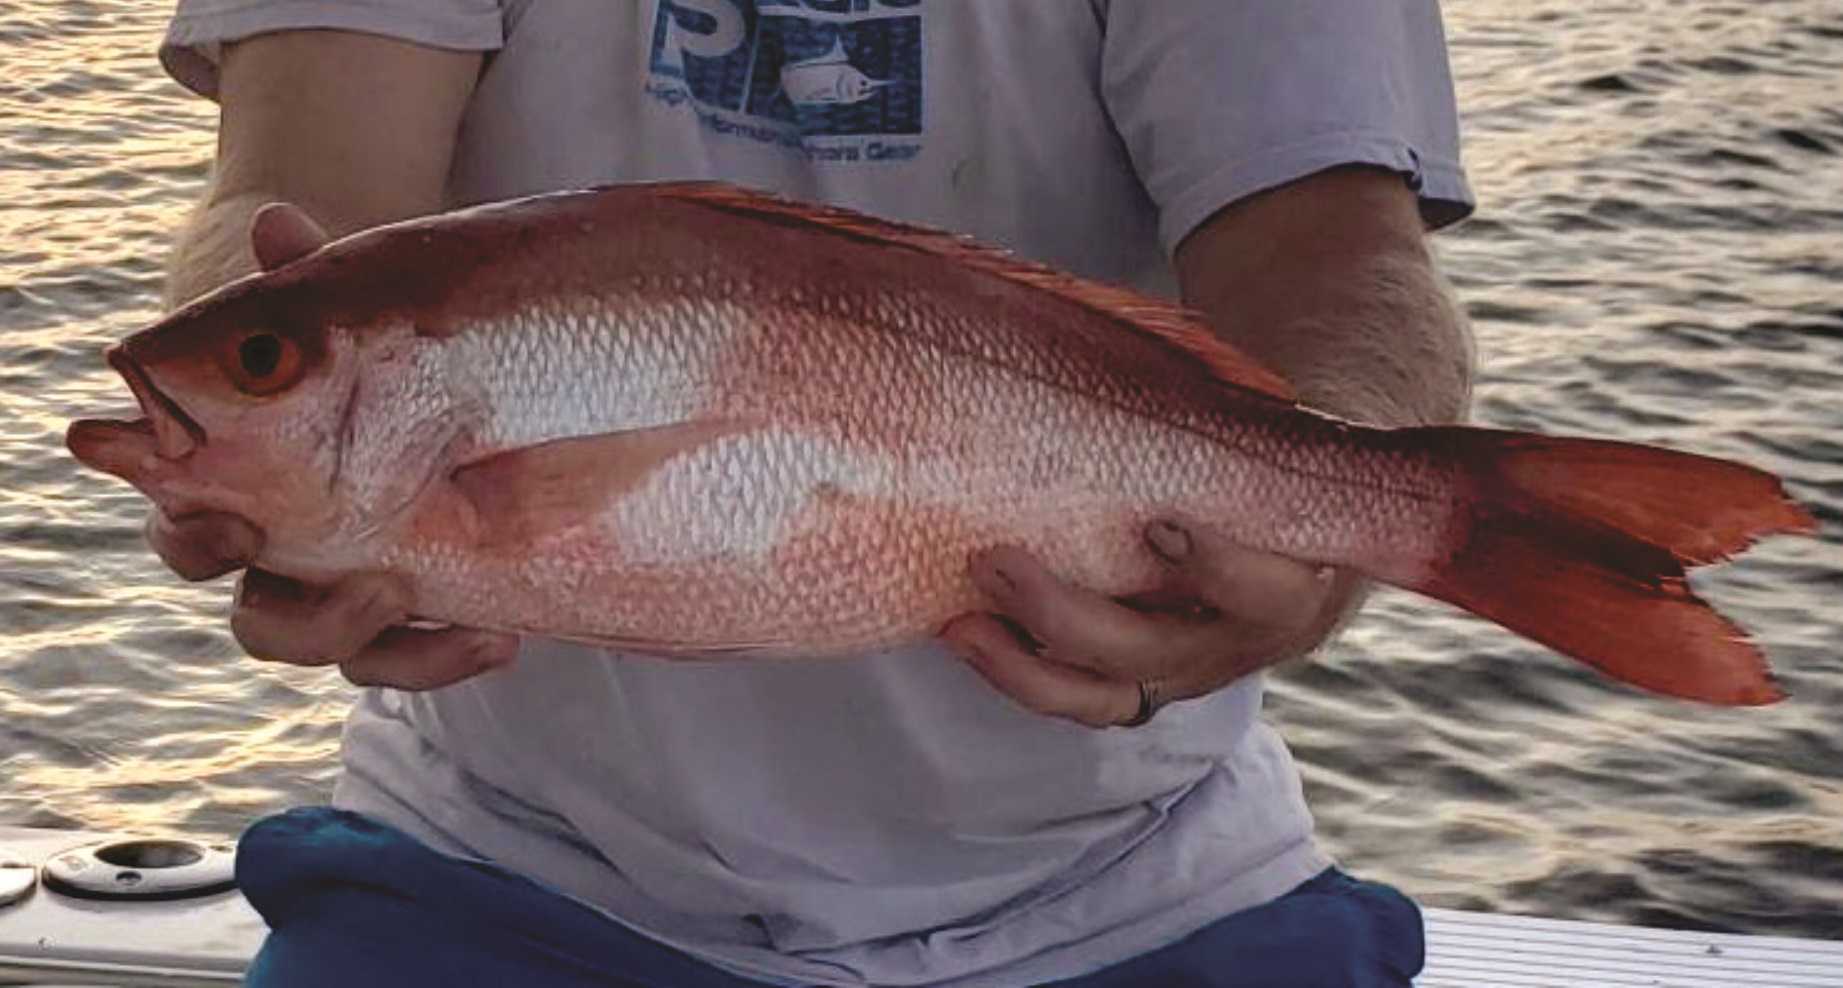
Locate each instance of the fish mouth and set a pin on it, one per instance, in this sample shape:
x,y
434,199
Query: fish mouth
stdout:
x,y
176,433
113,447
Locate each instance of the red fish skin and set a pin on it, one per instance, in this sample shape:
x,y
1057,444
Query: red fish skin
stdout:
x,y
1079,463
870,404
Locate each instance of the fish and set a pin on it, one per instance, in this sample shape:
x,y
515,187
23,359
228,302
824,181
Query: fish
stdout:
x,y
694,420
829,79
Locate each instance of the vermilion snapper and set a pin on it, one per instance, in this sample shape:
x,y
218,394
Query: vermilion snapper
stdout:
x,y
690,420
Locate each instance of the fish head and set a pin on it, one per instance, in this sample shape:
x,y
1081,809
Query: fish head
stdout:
x,y
856,87
242,407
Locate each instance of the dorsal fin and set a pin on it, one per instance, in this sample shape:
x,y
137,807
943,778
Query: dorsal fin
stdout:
x,y
1176,325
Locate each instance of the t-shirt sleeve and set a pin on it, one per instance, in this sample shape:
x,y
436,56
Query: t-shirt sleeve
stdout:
x,y
1220,99
200,27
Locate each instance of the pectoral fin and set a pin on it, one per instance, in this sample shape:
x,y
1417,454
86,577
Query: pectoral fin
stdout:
x,y
526,494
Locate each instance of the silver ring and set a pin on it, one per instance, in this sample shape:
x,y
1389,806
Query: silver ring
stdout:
x,y
1148,705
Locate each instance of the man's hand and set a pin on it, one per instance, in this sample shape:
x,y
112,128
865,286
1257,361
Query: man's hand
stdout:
x,y
1223,612
355,623
1329,282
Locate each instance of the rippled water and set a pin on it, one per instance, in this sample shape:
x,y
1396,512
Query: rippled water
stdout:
x,y
1658,257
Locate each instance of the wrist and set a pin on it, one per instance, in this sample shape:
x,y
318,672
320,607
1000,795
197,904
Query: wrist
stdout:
x,y
212,249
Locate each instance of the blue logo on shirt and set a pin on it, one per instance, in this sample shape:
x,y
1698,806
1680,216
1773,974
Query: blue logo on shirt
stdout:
x,y
796,72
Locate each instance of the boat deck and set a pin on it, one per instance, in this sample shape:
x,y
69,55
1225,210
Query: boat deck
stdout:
x,y
1484,950
47,938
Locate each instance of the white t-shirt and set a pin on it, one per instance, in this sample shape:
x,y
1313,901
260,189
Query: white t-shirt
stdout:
x,y
890,820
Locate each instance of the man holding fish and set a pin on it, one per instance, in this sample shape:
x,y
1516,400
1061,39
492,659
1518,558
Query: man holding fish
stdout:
x,y
1065,787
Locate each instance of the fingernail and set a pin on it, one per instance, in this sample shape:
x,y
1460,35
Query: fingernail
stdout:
x,y
1168,540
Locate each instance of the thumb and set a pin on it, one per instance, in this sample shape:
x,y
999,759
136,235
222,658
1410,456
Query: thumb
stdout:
x,y
281,232
1245,584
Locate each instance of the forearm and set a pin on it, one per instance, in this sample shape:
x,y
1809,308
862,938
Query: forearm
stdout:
x,y
355,129
1331,283
1384,344
214,245
212,248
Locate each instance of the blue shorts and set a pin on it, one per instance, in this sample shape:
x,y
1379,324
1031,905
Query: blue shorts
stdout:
x,y
352,902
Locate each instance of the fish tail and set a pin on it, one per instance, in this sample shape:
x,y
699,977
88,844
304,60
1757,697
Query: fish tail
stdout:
x,y
1582,545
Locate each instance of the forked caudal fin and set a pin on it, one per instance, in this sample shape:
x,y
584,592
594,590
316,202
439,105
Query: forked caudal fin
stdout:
x,y
1581,545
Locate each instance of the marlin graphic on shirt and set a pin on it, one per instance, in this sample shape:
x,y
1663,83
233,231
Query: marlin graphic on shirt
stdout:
x,y
828,78
839,81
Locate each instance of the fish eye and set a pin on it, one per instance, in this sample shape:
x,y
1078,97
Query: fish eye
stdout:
x,y
260,354
264,363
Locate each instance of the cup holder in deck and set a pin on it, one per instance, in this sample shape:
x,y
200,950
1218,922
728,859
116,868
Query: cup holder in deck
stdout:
x,y
141,869
151,853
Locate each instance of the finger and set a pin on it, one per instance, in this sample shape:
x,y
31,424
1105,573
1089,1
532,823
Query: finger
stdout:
x,y
1076,626
281,620
281,232
204,545
416,659
1040,684
1245,584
